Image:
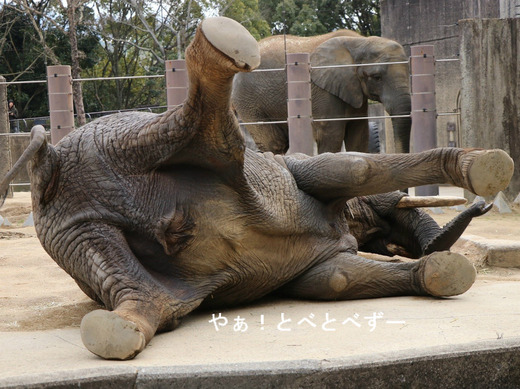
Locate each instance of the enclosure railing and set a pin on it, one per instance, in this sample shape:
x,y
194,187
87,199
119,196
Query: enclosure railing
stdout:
x,y
299,119
181,86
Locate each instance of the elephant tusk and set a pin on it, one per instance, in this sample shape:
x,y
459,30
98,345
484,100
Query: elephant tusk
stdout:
x,y
430,201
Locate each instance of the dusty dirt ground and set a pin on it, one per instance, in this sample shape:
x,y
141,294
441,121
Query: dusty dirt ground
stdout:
x,y
35,294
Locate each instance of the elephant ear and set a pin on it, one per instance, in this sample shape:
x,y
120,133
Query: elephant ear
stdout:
x,y
341,82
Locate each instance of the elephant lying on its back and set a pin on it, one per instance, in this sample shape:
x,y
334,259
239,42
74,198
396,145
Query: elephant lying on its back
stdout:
x,y
155,215
336,92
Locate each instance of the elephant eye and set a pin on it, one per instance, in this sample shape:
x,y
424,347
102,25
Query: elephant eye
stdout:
x,y
376,77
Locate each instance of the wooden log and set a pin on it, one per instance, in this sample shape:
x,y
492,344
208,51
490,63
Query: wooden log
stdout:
x,y
430,201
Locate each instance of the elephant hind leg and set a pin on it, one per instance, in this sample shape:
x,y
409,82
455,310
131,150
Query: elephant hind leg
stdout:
x,y
348,276
139,304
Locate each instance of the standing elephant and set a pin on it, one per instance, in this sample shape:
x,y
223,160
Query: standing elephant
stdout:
x,y
156,215
336,92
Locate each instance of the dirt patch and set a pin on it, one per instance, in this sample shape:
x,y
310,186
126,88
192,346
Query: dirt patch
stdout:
x,y
16,209
13,235
492,225
50,316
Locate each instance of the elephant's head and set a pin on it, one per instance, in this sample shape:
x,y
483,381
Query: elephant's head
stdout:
x,y
388,84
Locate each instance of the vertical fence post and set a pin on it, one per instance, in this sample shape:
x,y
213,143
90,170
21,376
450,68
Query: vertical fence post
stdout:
x,y
59,83
424,112
299,108
5,155
176,82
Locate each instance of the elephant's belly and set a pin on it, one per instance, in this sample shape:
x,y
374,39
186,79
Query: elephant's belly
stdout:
x,y
249,269
236,265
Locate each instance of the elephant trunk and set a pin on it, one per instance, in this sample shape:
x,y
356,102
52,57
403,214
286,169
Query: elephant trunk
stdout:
x,y
401,126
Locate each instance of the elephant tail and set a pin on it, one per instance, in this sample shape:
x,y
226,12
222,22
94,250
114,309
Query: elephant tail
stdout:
x,y
37,140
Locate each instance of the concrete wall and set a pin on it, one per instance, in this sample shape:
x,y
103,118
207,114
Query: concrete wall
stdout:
x,y
509,9
490,63
11,148
414,22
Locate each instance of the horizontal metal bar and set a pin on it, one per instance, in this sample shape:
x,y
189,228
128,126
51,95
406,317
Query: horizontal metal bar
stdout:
x,y
15,133
22,184
448,114
359,65
116,78
260,123
447,60
23,82
256,70
268,70
362,118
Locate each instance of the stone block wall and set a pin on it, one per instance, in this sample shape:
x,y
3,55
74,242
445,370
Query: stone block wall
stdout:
x,y
11,148
435,22
490,66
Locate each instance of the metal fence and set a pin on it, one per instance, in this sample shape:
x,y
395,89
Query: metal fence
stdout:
x,y
421,64
176,85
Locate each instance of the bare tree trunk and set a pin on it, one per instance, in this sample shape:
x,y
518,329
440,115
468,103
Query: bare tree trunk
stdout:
x,y
5,155
75,67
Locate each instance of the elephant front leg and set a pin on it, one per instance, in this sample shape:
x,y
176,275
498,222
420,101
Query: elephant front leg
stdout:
x,y
139,305
348,276
330,177
329,136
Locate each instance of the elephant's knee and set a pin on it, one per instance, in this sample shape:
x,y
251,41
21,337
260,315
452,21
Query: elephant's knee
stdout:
x,y
337,282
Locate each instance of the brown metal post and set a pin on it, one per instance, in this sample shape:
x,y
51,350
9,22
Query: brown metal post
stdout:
x,y
299,108
424,111
59,83
176,82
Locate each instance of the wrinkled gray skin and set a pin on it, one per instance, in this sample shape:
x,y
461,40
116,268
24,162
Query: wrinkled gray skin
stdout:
x,y
380,227
155,215
336,92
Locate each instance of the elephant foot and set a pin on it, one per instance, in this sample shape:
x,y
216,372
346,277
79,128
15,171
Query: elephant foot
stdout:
x,y
232,39
109,336
454,229
487,172
444,274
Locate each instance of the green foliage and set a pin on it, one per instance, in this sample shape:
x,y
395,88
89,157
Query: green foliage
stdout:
x,y
312,17
23,58
18,53
246,12
119,38
362,16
